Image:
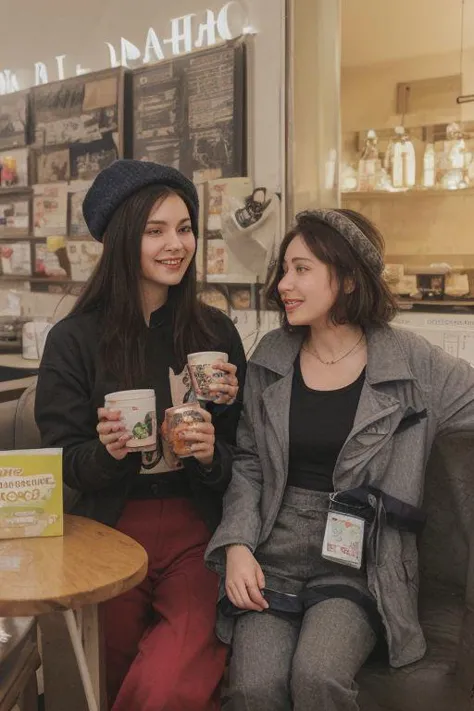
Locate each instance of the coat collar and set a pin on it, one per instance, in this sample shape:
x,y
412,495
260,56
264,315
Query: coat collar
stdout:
x,y
386,359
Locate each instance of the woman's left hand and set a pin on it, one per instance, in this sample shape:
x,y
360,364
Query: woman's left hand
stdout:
x,y
226,390
202,439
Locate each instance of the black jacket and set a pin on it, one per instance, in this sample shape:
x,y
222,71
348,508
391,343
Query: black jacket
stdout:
x,y
72,385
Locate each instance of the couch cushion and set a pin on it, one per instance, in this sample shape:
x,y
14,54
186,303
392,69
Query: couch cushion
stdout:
x,y
7,424
27,435
430,684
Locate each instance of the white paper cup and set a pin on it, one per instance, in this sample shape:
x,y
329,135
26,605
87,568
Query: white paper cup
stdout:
x,y
203,374
138,410
33,338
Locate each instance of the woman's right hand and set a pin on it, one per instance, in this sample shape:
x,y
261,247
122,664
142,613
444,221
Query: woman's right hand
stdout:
x,y
244,579
111,431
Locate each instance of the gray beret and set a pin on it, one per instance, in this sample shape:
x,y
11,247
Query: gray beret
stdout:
x,y
124,177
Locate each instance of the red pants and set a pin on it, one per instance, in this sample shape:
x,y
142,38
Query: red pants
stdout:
x,y
162,652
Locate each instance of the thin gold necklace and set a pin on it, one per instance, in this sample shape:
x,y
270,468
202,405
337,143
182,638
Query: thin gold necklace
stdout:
x,y
332,362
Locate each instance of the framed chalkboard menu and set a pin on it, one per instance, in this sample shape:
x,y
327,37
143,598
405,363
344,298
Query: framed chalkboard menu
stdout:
x,y
78,125
14,116
189,112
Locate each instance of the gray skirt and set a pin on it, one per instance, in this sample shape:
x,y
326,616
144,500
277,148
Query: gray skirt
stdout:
x,y
291,557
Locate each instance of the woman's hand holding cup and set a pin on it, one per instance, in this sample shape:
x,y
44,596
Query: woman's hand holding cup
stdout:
x,y
213,377
112,433
189,431
225,391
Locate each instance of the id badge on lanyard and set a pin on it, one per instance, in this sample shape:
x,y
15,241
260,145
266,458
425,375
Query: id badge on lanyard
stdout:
x,y
344,538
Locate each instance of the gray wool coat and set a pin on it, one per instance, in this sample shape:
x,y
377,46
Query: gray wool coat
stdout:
x,y
413,392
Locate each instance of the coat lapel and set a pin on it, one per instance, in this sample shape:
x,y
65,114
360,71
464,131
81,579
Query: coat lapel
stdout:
x,y
276,400
390,393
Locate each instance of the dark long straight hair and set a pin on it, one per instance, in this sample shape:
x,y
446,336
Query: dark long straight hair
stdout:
x,y
114,290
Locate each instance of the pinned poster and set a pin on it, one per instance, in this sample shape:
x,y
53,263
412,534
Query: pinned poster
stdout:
x,y
31,493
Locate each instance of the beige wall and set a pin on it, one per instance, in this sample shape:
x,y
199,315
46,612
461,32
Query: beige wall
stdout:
x,y
368,94
315,127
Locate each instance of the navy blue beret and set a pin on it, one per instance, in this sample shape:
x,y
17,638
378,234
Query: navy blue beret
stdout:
x,y
124,177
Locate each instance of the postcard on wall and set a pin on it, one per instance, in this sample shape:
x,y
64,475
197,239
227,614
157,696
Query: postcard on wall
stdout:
x,y
31,493
217,257
50,209
216,296
206,174
241,298
13,120
14,217
15,258
14,168
88,159
51,259
100,93
83,257
52,166
76,193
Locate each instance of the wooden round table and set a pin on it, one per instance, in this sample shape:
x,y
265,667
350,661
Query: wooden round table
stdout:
x,y
91,563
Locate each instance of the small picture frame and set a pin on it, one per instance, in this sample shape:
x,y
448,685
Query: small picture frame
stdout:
x,y
15,216
14,168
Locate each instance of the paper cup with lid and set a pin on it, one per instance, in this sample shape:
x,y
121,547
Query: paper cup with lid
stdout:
x,y
138,410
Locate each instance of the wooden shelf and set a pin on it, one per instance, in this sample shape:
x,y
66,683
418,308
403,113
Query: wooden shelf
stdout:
x,y
40,280
431,303
16,190
414,192
75,238
400,194
229,279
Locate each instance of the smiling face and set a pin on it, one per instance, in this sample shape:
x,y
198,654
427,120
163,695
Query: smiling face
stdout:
x,y
168,244
307,288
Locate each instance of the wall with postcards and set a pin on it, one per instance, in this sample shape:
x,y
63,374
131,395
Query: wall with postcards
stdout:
x,y
190,112
54,139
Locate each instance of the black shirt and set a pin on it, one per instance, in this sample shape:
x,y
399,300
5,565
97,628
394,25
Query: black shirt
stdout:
x,y
72,385
320,422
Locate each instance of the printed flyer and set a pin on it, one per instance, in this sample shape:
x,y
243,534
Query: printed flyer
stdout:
x,y
31,497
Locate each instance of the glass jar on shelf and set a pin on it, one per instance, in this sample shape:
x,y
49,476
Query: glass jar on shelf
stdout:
x,y
454,163
370,165
400,160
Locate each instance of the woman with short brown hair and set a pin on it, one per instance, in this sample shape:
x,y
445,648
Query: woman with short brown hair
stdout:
x,y
317,544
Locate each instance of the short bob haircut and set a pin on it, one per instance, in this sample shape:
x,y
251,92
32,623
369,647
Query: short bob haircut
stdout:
x,y
371,303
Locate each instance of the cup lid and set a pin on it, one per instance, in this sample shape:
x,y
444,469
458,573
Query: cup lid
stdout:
x,y
130,395
211,355
182,408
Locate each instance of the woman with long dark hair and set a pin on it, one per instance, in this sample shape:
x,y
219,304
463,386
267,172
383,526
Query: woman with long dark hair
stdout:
x,y
133,327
